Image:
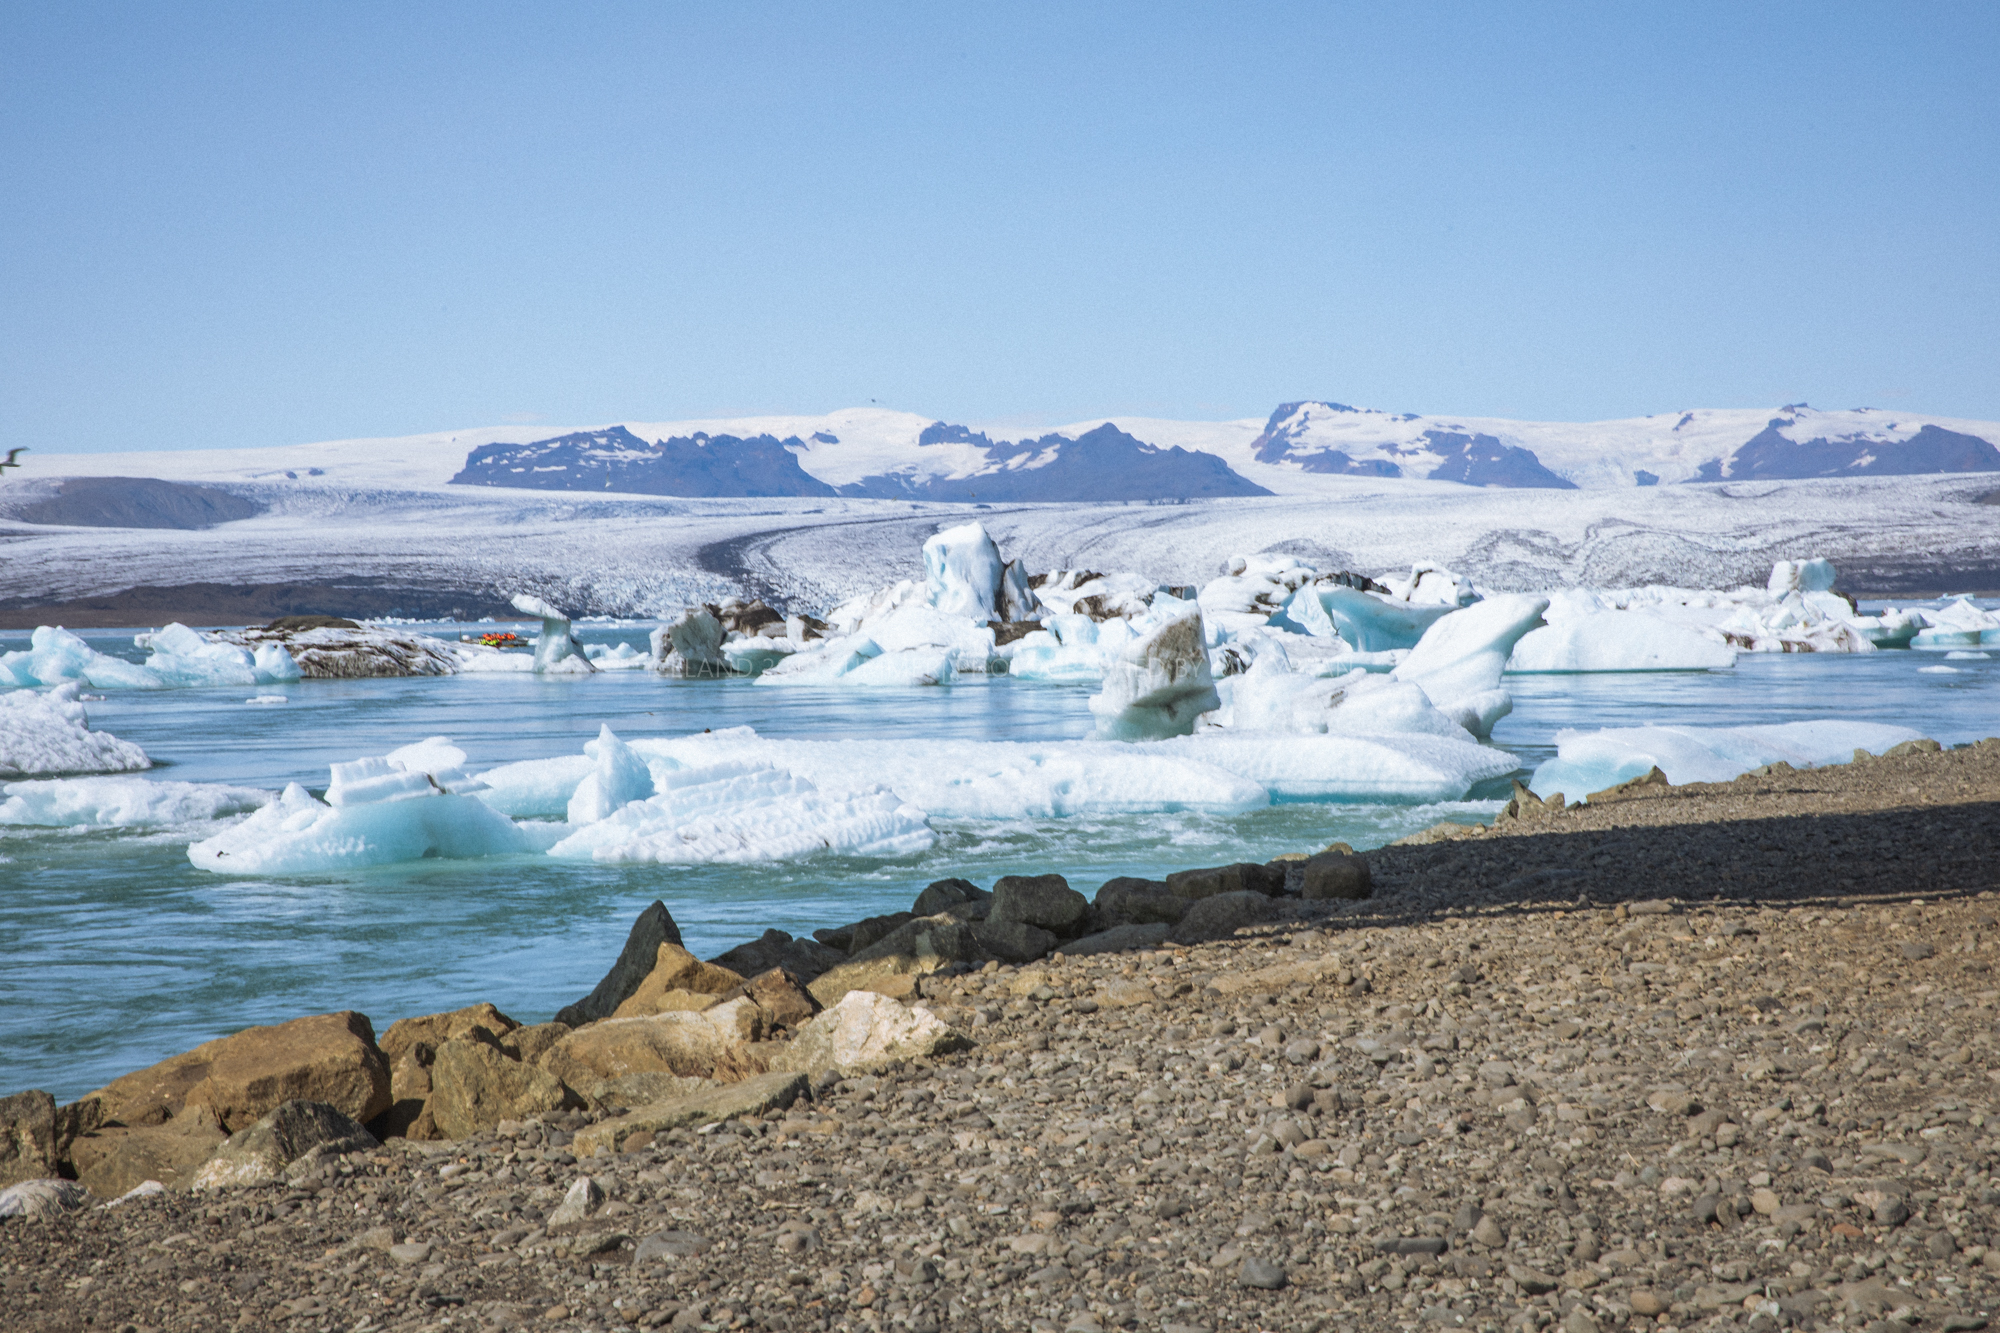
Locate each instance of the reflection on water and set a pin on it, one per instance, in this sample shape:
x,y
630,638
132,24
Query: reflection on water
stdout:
x,y
117,952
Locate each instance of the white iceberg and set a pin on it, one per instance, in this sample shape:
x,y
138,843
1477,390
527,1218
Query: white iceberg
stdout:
x,y
298,835
617,777
691,647
745,811
1270,697
1253,589
1960,623
963,572
180,657
123,802
1585,633
1160,681
1460,659
50,733
557,653
1589,761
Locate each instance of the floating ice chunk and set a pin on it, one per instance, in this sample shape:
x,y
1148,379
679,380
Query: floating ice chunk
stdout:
x,y
919,627
1069,647
1369,621
266,699
123,802
1160,682
1270,698
1586,638
754,654
1588,761
438,759
1431,584
963,572
1017,600
55,656
372,781
1254,589
617,778
1938,671
859,660
557,653
1403,767
298,835
183,657
1098,596
535,788
1960,623
1460,658
615,656
50,733
1816,575
478,659
744,811
691,647
1960,655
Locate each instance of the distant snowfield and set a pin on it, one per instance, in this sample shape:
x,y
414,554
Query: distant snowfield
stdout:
x,y
643,555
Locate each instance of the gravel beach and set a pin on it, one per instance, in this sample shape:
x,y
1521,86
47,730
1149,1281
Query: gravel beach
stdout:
x,y
1704,1057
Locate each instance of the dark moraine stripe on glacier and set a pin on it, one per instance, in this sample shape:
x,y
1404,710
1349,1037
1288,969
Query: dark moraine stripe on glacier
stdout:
x,y
1769,456
1101,464
699,465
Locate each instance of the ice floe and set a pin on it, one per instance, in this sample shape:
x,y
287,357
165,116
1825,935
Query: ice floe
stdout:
x,y
1586,633
50,733
1589,761
123,802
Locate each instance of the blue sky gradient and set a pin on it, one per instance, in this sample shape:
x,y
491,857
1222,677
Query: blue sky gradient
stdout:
x,y
263,224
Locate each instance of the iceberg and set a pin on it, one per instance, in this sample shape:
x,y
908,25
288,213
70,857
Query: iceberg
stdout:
x,y
1583,633
1960,623
50,733
1069,647
123,802
1590,761
296,834
1270,697
746,811
1368,621
557,653
963,572
1253,589
1460,659
691,647
617,777
1160,682
180,657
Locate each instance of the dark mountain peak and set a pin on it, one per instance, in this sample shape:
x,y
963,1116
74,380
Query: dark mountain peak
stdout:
x,y
700,464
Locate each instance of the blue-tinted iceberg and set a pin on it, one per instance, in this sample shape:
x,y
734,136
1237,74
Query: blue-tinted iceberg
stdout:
x,y
180,657
557,652
1459,660
123,802
1589,761
1586,633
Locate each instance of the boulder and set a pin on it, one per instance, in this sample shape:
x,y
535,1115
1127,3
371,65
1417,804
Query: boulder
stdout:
x,y
676,975
804,959
913,949
528,1043
945,894
27,1137
1046,901
1241,877
757,1095
115,1159
329,1058
782,996
672,1043
42,1198
851,939
1224,914
409,1090
1334,875
1118,939
646,1089
475,1085
435,1030
866,1032
1013,941
740,1020
259,1155
1126,901
636,960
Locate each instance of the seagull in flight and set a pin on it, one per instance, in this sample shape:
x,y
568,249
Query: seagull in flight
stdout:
x,y
12,455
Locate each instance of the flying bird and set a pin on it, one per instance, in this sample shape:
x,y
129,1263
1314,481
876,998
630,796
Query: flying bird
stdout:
x,y
13,454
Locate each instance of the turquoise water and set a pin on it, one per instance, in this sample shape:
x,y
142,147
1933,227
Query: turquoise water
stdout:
x,y
114,951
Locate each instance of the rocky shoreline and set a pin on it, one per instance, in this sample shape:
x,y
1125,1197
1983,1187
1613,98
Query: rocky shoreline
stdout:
x,y
1701,1056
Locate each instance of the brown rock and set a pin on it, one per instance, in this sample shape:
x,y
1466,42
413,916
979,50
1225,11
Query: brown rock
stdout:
x,y
913,949
27,1137
115,1159
636,960
409,1089
674,1043
474,1087
329,1058
529,1043
782,996
1331,875
679,982
434,1030
259,1155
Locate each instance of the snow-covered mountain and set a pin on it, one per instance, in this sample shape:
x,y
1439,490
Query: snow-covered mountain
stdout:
x,y
1305,448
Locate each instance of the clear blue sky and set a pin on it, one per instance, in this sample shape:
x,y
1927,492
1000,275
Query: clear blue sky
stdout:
x,y
270,223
